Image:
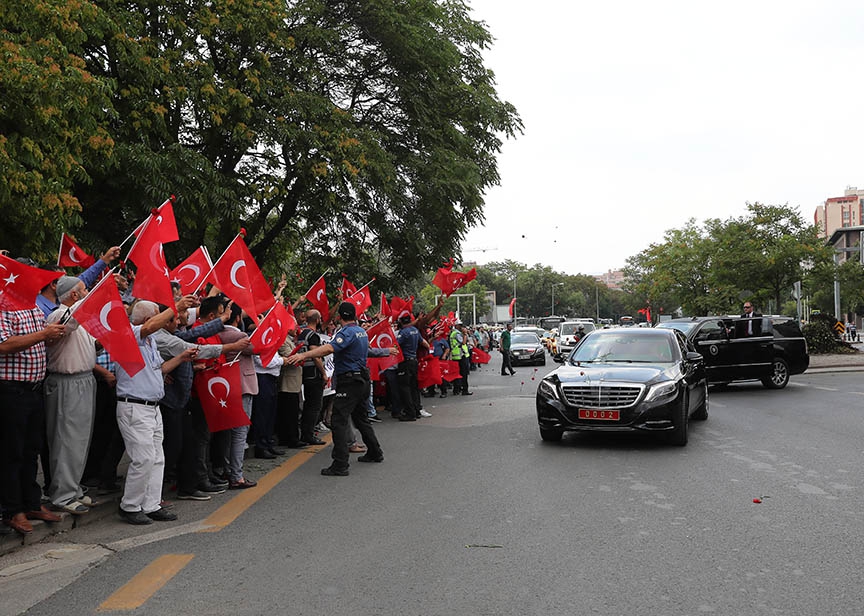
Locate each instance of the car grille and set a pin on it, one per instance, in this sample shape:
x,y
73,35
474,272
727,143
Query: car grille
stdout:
x,y
602,396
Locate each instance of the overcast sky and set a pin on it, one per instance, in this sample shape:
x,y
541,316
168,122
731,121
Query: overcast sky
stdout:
x,y
639,115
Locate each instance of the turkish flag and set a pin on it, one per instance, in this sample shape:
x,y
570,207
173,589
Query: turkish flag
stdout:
x,y
361,299
103,315
448,281
164,222
272,331
381,336
220,392
479,356
449,370
428,372
20,284
512,307
237,275
385,307
71,255
348,289
318,298
400,307
151,278
193,273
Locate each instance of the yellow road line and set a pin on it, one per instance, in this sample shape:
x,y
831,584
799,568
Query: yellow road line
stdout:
x,y
231,510
140,588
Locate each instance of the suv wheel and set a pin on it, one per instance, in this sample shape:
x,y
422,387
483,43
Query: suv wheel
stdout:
x,y
779,377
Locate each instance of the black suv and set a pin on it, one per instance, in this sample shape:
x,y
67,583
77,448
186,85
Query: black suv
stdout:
x,y
767,348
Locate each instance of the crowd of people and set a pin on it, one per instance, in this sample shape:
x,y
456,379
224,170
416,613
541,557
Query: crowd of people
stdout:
x,y
72,411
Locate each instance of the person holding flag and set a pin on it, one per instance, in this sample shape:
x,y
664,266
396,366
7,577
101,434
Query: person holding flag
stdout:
x,y
350,348
23,364
47,299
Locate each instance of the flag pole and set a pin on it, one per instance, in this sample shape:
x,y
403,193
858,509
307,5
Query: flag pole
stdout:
x,y
60,248
201,284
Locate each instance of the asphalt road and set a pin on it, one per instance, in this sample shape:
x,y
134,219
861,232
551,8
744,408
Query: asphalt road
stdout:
x,y
472,514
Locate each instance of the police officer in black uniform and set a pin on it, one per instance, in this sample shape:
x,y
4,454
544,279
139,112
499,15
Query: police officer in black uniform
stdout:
x,y
350,347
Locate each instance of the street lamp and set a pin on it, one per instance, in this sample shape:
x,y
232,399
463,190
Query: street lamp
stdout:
x,y
554,284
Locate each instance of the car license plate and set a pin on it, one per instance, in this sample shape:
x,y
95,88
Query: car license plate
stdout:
x,y
601,415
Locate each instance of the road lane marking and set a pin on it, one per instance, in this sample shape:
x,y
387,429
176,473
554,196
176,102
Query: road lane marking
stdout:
x,y
231,510
825,388
140,588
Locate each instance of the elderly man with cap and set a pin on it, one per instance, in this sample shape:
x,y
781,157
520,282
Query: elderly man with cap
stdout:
x,y
350,348
70,400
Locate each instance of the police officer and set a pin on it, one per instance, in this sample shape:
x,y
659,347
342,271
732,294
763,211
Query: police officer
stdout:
x,y
350,348
409,339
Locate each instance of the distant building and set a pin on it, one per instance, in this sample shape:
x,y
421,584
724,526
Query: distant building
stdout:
x,y
613,279
840,212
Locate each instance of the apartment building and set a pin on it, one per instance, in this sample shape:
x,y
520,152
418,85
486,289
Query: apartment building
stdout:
x,y
840,212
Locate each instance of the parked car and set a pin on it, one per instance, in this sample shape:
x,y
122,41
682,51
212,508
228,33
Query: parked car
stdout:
x,y
776,351
526,348
570,332
626,380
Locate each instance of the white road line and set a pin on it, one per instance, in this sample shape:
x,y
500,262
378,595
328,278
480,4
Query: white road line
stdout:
x,y
824,388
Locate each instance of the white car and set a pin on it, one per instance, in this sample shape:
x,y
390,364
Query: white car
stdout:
x,y
569,334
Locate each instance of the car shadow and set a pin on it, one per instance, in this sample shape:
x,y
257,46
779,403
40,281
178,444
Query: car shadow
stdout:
x,y
615,441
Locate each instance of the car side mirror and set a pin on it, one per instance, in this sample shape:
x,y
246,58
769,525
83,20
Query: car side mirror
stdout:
x,y
694,356
558,358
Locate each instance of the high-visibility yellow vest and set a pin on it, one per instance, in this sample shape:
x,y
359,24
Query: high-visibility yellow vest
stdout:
x,y
455,346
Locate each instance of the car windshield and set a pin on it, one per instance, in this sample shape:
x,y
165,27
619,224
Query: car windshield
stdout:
x,y
681,326
524,338
568,329
624,347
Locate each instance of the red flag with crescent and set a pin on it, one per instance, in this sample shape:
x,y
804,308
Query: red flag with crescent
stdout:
x,y
361,299
348,288
20,284
104,317
220,392
382,336
384,309
238,276
152,276
428,371
271,332
317,296
164,222
449,370
479,356
71,254
449,281
400,307
193,273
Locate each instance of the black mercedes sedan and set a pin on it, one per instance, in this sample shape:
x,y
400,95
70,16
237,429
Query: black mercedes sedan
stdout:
x,y
626,380
526,348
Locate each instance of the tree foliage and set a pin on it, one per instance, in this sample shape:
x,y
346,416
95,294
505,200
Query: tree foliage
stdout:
x,y
710,269
335,132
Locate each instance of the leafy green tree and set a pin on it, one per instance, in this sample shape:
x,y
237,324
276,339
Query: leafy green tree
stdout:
x,y
52,120
360,133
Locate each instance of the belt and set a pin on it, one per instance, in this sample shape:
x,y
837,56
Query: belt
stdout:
x,y
137,401
353,373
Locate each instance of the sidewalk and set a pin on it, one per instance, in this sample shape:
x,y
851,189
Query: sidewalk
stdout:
x,y
839,362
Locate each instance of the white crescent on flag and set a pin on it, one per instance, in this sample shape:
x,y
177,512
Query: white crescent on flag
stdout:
x,y
381,338
220,381
266,335
196,271
319,294
239,264
103,316
72,253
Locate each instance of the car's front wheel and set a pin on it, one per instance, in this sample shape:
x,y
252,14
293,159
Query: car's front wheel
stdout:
x,y
701,413
551,434
678,435
779,376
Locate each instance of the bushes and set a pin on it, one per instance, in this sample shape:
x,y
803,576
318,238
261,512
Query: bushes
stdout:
x,y
822,338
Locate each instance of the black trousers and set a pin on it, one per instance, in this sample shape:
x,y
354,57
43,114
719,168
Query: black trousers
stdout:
x,y
22,425
408,392
352,394
393,394
313,398
506,365
192,468
288,418
172,438
464,371
264,407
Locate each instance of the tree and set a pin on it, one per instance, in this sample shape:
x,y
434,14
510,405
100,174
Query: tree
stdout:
x,y
52,120
335,132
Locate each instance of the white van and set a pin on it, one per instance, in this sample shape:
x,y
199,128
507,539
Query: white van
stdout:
x,y
568,332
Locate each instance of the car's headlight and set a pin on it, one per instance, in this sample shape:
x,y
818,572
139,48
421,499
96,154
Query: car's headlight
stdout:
x,y
548,388
666,389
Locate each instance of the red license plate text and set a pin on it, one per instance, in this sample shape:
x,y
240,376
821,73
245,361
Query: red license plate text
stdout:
x,y
601,415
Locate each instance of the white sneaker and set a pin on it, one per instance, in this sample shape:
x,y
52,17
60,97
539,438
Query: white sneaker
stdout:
x,y
425,413
322,428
